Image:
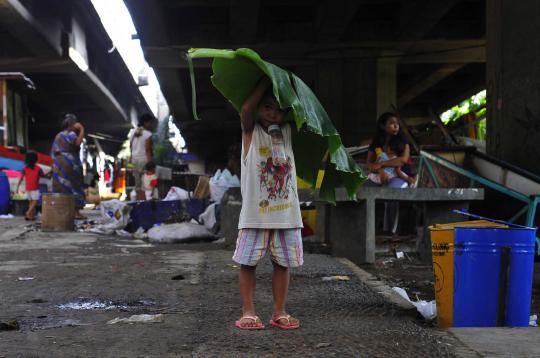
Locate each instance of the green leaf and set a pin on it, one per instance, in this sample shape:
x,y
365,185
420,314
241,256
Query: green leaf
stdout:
x,y
236,74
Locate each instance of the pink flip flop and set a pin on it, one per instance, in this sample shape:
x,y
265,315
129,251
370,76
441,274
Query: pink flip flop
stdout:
x,y
258,324
288,325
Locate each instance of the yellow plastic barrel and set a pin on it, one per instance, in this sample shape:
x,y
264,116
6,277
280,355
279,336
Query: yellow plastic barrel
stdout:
x,y
309,216
442,248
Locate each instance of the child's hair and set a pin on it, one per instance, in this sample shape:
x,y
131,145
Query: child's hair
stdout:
x,y
397,142
145,118
69,120
31,159
150,166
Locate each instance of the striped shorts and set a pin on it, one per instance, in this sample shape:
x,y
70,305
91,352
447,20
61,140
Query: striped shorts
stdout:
x,y
284,245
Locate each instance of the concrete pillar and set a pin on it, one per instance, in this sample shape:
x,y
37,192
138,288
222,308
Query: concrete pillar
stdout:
x,y
513,82
354,91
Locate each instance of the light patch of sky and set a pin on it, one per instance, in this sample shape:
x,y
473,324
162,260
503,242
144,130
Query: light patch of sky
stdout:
x,y
117,21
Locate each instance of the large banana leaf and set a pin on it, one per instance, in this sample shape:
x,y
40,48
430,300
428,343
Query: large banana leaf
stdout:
x,y
236,74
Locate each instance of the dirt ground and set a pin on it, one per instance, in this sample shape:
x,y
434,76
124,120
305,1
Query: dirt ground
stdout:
x,y
63,288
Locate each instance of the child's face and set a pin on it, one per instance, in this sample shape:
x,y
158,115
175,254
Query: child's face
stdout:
x,y
270,113
392,126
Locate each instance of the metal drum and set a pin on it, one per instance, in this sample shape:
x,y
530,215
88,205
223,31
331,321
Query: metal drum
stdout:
x,y
58,212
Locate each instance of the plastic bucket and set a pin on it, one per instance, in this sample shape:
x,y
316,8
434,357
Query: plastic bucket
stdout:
x,y
488,292
4,193
442,245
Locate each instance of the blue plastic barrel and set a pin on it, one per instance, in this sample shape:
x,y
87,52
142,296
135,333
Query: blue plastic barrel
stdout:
x,y
4,193
477,272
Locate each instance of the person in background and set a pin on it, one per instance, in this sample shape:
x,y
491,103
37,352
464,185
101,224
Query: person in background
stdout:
x,y
140,140
389,150
149,181
67,176
31,172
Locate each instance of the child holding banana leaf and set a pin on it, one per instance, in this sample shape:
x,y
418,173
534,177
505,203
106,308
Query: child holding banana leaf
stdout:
x,y
270,101
270,219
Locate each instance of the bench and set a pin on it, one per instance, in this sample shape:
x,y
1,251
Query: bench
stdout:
x,y
349,226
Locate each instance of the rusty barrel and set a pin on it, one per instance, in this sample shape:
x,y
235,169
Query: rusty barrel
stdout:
x,y
58,212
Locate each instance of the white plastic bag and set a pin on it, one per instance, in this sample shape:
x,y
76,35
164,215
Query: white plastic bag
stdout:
x,y
176,193
428,310
115,216
170,233
220,182
208,218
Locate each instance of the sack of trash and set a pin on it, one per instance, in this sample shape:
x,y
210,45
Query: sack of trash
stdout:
x,y
176,193
115,216
181,232
220,182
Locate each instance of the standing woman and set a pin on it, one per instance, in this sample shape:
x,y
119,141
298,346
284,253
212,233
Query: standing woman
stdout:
x,y
67,174
140,140
390,149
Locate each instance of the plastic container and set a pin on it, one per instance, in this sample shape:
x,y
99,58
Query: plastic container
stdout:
x,y
487,293
442,245
278,145
4,194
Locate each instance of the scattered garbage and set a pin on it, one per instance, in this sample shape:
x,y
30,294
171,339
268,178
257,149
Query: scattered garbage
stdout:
x,y
139,318
208,217
400,255
7,216
220,182
428,310
336,278
123,233
114,217
140,234
25,278
532,321
323,345
181,232
176,193
11,325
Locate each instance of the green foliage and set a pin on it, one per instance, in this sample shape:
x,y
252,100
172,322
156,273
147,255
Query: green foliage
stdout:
x,y
236,74
476,103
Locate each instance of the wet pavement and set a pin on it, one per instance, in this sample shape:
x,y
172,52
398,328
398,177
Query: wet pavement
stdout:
x,y
76,283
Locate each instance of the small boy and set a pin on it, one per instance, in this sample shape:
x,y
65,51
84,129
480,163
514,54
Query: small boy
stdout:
x,y
149,181
270,218
32,172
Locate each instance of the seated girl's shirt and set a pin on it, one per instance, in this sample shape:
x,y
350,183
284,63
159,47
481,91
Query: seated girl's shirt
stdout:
x,y
269,191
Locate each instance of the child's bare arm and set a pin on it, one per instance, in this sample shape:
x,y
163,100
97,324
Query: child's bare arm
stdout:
x,y
250,104
401,175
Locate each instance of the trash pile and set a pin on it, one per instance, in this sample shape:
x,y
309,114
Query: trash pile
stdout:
x,y
181,216
428,310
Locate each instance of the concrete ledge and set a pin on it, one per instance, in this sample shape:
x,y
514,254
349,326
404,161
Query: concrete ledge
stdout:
x,y
378,286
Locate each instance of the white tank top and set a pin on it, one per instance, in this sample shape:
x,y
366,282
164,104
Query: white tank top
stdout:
x,y
269,194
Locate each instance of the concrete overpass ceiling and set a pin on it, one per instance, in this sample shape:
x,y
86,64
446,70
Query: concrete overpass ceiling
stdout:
x,y
438,46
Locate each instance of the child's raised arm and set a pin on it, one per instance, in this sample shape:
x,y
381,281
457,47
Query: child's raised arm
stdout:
x,y
251,103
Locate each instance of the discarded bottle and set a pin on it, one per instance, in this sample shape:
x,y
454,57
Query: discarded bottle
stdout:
x,y
278,145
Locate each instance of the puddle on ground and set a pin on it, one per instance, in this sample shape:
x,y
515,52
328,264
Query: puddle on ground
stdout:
x,y
106,305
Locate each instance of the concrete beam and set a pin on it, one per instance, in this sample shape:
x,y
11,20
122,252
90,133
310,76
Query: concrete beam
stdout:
x,y
420,16
29,30
333,19
243,20
36,64
426,83
174,93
